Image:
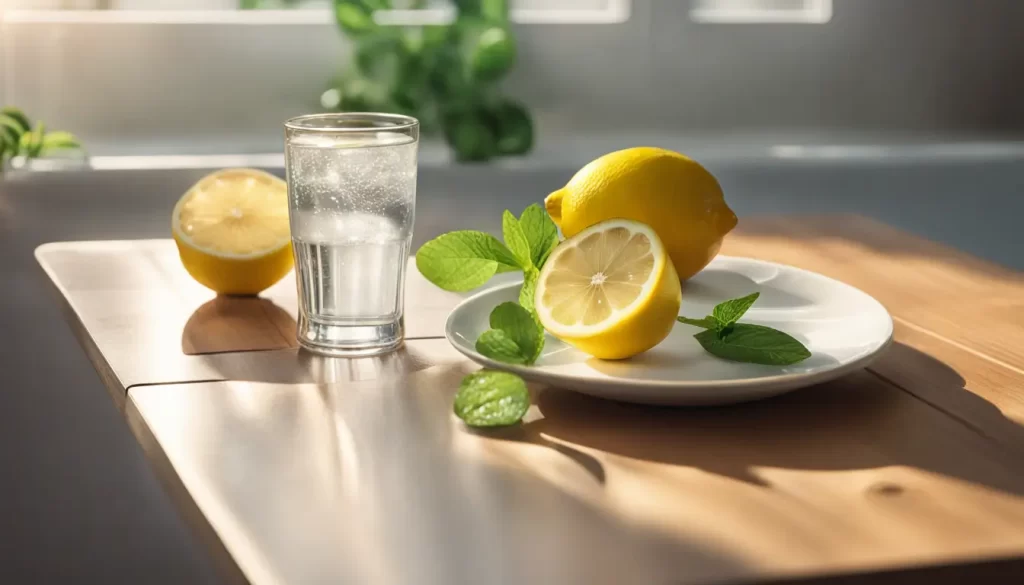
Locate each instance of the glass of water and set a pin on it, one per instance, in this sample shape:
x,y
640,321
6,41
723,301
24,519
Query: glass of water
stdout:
x,y
351,203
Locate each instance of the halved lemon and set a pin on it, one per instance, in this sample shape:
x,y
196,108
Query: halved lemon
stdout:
x,y
232,233
610,290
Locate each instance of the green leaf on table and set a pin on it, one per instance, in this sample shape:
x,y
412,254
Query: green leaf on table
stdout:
x,y
705,323
729,312
491,399
463,260
757,344
516,240
541,233
497,345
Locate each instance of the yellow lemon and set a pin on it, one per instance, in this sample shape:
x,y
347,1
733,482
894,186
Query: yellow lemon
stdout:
x,y
610,290
673,194
231,229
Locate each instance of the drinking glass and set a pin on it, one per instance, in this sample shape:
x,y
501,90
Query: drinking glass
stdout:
x,y
351,204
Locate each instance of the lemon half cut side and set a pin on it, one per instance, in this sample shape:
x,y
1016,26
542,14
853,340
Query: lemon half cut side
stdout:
x,y
232,232
611,290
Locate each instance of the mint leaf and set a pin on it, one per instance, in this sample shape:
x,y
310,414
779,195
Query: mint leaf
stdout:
x,y
755,344
518,324
491,399
705,323
729,312
463,260
528,293
515,337
541,233
515,239
497,345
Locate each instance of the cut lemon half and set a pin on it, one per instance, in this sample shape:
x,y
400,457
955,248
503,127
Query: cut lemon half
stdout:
x,y
610,290
232,233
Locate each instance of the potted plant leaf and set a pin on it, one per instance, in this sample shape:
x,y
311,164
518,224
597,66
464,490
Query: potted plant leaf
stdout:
x,y
23,142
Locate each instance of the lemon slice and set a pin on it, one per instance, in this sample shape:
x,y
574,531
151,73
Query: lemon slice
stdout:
x,y
231,229
610,290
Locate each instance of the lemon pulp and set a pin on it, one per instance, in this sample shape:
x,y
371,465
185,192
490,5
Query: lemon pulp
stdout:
x,y
232,231
611,290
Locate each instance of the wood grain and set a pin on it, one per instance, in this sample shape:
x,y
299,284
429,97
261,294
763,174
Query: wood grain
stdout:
x,y
917,461
953,295
849,476
959,320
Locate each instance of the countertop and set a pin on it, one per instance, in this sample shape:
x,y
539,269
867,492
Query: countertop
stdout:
x,y
81,496
302,470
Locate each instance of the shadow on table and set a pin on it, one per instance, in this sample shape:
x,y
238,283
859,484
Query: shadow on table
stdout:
x,y
993,571
860,421
235,323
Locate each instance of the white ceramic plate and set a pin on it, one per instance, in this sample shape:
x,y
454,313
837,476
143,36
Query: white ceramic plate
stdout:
x,y
843,327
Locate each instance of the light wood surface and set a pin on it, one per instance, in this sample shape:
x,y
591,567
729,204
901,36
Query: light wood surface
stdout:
x,y
959,319
918,460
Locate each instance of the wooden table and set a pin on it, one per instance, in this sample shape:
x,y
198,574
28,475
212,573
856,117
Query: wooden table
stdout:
x,y
299,469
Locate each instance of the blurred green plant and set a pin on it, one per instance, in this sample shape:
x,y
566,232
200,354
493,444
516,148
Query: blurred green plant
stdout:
x,y
446,76
267,4
19,138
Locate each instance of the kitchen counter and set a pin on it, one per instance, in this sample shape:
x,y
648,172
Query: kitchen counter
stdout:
x,y
300,469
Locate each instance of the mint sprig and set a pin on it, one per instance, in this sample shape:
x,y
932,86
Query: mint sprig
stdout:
x,y
725,337
513,338
490,398
463,260
541,233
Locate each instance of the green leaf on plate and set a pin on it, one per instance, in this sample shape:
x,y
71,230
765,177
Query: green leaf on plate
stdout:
x,y
463,260
541,233
756,344
519,325
491,399
729,312
498,345
516,240
528,292
705,323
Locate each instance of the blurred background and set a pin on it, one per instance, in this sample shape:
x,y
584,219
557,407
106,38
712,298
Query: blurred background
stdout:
x,y
908,111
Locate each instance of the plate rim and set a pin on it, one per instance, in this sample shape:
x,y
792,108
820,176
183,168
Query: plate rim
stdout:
x,y
781,380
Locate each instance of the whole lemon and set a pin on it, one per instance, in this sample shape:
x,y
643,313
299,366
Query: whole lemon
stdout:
x,y
670,192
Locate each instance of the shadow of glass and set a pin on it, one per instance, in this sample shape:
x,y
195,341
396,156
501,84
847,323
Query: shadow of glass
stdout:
x,y
227,324
861,421
294,366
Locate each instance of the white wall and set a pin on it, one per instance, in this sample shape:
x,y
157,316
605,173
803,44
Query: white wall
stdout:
x,y
913,67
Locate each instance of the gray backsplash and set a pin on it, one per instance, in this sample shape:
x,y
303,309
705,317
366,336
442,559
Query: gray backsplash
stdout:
x,y
879,70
